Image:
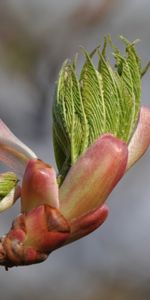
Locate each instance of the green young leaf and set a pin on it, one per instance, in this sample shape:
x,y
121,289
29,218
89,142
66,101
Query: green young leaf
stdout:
x,y
8,181
145,69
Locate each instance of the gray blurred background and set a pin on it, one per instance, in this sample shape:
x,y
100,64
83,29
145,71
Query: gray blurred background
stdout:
x,y
35,37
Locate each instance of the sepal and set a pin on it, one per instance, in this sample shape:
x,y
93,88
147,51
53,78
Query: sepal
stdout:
x,y
87,223
140,140
91,179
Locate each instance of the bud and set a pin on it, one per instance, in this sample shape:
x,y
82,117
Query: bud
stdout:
x,y
99,132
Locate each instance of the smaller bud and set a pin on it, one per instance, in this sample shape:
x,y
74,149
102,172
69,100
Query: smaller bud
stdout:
x,y
9,190
39,186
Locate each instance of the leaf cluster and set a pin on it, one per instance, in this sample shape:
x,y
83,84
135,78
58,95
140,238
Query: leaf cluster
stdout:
x,y
104,99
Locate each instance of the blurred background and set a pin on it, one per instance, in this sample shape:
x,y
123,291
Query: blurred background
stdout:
x,y
35,38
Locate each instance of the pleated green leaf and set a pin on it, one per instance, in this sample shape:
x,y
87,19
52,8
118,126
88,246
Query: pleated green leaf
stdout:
x,y
70,128
111,96
93,99
129,70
